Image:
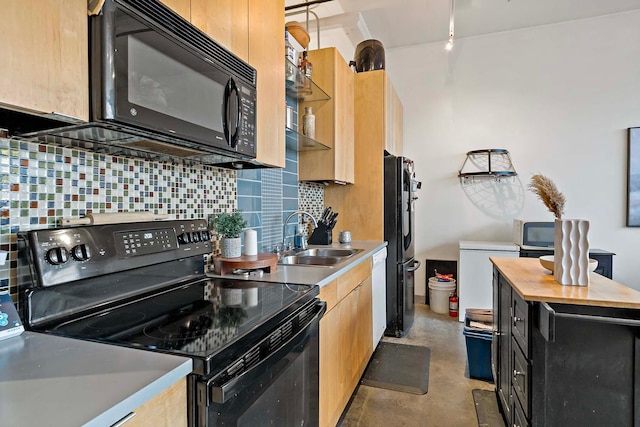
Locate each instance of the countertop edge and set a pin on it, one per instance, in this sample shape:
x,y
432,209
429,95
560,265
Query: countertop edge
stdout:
x,y
319,276
351,264
129,404
533,285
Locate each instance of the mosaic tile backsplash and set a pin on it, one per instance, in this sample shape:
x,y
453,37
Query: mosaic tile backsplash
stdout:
x,y
40,184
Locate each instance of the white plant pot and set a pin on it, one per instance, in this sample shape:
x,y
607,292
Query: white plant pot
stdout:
x,y
230,248
571,252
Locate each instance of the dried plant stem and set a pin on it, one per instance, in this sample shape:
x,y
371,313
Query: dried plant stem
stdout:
x,y
547,191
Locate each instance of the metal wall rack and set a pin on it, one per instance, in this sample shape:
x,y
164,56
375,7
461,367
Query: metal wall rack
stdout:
x,y
489,163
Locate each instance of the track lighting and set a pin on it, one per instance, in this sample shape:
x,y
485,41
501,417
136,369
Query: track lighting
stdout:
x,y
449,45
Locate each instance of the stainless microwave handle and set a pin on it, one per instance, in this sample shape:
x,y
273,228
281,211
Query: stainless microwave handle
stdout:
x,y
222,393
231,117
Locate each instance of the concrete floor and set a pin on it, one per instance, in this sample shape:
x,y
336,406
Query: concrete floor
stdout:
x,y
447,403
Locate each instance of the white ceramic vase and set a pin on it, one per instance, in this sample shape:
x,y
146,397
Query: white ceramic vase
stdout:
x,y
571,252
230,247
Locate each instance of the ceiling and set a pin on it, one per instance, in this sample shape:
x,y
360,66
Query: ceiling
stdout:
x,y
398,23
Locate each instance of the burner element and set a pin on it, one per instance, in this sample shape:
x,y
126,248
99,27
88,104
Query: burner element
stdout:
x,y
108,322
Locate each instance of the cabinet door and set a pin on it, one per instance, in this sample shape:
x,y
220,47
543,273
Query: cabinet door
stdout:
x,y
167,409
365,325
361,205
46,70
266,55
330,368
225,21
334,120
504,348
393,119
181,7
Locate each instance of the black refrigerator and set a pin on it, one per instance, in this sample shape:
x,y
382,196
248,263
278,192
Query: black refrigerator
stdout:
x,y
400,188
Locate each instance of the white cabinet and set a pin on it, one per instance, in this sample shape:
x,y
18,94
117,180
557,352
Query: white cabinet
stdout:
x,y
475,272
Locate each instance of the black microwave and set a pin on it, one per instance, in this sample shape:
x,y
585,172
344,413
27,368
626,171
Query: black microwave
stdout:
x,y
162,89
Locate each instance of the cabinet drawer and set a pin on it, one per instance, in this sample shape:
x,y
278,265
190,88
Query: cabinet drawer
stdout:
x,y
520,325
352,278
329,294
520,378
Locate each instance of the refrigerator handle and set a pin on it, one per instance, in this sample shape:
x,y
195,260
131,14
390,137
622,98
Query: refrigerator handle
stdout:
x,y
416,265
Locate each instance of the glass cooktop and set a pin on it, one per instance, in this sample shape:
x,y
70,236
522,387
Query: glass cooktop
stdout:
x,y
197,320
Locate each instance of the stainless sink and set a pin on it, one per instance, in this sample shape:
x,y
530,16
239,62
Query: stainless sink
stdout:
x,y
328,252
318,257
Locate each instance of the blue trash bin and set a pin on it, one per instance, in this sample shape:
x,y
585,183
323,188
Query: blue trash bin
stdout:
x,y
479,354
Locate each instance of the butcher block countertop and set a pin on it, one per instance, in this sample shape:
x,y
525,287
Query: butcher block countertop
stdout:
x,y
535,283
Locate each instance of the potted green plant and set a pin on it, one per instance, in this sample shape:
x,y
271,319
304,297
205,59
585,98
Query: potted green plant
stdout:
x,y
228,226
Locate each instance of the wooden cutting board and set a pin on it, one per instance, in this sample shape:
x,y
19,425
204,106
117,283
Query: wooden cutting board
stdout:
x,y
266,261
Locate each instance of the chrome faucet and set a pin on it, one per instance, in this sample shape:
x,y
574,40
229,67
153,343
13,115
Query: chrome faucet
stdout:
x,y
298,212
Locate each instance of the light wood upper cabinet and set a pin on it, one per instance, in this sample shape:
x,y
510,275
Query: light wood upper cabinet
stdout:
x,y
266,55
45,62
225,21
181,7
361,205
254,31
393,120
334,120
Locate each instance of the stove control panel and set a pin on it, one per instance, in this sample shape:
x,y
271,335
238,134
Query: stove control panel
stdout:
x,y
61,255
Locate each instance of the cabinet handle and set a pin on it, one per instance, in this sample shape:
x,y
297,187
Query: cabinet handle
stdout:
x,y
122,421
516,320
516,373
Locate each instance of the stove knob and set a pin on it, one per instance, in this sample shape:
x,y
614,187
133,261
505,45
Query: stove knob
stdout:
x,y
205,235
81,252
184,238
57,256
195,236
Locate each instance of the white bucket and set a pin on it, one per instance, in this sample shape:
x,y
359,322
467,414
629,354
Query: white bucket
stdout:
x,y
439,293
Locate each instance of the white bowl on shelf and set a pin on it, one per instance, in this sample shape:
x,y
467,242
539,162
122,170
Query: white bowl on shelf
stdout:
x,y
547,261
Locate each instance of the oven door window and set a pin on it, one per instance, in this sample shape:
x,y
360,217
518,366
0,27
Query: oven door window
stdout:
x,y
162,85
282,391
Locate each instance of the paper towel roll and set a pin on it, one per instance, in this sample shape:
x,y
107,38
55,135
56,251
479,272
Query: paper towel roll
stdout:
x,y
250,242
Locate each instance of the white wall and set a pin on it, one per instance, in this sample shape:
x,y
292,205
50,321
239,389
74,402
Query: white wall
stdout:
x,y
560,98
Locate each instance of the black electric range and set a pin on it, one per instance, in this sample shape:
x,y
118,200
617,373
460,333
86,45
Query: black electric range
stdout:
x,y
143,285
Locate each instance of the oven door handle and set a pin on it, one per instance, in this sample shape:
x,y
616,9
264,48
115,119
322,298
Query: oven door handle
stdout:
x,y
222,393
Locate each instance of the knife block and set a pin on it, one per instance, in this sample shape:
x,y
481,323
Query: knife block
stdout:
x,y
322,235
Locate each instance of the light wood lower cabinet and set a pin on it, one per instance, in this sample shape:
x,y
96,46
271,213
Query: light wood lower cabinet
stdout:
x,y
345,339
167,409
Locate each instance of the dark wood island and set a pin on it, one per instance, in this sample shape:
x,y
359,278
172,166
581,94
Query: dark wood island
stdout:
x,y
564,355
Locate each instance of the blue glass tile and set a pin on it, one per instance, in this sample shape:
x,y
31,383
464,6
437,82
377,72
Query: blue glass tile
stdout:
x,y
249,188
289,191
250,204
253,174
289,178
289,204
291,166
291,154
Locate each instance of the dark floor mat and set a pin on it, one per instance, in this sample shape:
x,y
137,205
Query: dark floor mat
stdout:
x,y
398,367
487,410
